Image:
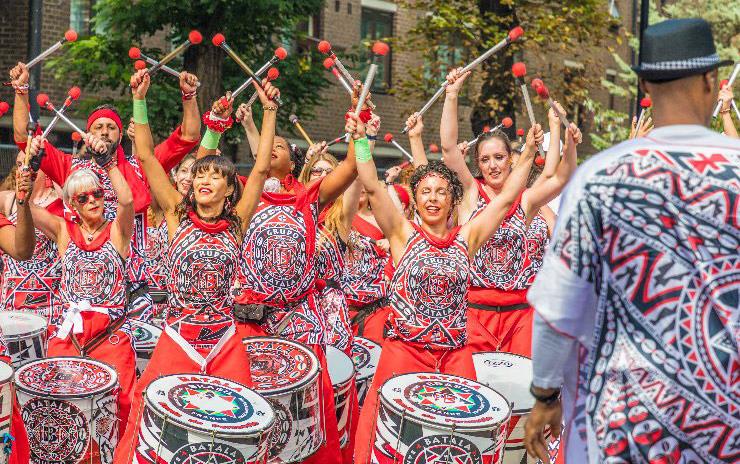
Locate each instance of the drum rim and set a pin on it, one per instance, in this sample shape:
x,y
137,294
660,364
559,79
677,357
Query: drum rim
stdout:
x,y
352,375
221,434
11,378
514,412
25,335
435,425
295,386
101,391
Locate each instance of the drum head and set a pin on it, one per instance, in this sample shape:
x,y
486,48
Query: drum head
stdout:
x,y
210,404
145,335
280,365
18,324
508,374
441,399
6,373
365,356
340,366
65,378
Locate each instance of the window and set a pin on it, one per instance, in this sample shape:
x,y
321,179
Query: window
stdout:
x,y
80,12
611,76
311,26
377,25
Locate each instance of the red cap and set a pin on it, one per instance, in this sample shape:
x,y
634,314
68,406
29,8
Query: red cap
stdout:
x,y
195,37
515,33
218,39
433,148
381,48
537,82
388,137
42,99
507,122
539,161
328,63
76,136
519,69
520,132
139,65
646,102
281,53
324,47
543,92
134,53
70,36
4,107
74,92
273,74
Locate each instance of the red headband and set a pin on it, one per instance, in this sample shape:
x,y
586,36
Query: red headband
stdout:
x,y
105,113
403,195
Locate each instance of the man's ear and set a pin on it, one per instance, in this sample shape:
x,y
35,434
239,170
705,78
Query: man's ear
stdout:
x,y
643,86
710,81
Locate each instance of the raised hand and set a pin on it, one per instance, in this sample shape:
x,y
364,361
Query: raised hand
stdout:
x,y
19,75
223,107
354,126
315,149
373,125
415,125
455,80
243,113
188,83
270,93
140,82
24,181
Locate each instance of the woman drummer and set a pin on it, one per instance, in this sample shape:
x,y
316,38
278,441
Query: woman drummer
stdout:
x,y
505,266
428,323
205,229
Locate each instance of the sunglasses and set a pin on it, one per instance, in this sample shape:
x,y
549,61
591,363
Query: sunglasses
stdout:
x,y
82,198
320,171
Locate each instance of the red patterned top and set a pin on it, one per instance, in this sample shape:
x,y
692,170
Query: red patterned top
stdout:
x,y
156,253
3,346
363,279
428,294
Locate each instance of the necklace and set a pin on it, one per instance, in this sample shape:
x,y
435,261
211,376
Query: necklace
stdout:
x,y
42,201
91,235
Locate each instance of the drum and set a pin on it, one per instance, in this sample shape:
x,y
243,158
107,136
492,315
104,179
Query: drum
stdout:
x,y
341,373
429,417
25,336
287,374
145,337
190,418
69,406
365,355
6,403
511,374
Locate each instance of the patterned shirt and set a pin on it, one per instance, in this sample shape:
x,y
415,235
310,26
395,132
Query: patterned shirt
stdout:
x,y
364,279
644,273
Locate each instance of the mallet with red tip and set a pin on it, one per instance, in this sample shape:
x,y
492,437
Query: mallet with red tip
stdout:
x,y
69,36
645,104
72,95
43,100
520,71
280,54
336,140
731,82
27,159
513,35
4,107
219,40
506,122
135,54
330,65
194,38
272,74
544,93
325,48
389,139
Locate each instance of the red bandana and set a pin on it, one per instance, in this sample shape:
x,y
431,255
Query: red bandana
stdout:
x,y
210,227
105,113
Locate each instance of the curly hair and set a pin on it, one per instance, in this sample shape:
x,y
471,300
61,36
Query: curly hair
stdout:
x,y
226,168
438,168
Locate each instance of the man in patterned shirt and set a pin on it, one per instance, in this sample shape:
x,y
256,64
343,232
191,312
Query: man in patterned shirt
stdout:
x,y
637,300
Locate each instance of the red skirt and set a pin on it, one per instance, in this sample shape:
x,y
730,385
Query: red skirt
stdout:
x,y
506,323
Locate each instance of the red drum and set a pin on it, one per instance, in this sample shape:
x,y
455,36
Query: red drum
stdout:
x,y
365,356
341,373
25,336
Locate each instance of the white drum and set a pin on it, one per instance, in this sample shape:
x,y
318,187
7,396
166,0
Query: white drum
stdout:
x,y
25,336
426,415
145,337
6,403
69,406
341,373
287,374
511,374
365,356
191,418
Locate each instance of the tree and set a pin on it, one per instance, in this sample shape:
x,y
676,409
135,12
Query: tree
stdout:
x,y
456,31
252,28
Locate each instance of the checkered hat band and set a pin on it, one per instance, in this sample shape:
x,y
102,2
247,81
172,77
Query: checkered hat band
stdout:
x,y
692,63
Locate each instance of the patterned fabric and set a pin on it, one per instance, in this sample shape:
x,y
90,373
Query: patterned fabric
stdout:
x,y
644,274
201,267
330,257
363,279
156,253
32,285
428,297
510,259
3,345
332,301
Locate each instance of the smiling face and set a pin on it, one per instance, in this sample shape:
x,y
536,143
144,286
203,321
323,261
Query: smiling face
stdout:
x,y
280,163
184,176
494,162
85,195
320,169
433,198
210,187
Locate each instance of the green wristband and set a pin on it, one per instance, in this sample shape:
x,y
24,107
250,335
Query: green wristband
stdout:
x,y
140,112
362,150
210,139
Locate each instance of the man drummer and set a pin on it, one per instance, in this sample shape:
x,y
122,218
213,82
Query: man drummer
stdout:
x,y
643,273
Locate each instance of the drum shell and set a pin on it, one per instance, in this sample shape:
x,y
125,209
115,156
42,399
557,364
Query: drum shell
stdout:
x,y
6,402
28,346
144,348
342,391
365,356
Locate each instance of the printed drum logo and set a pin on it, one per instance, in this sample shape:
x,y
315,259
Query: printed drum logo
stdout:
x,y
57,430
212,403
211,453
360,356
442,449
446,399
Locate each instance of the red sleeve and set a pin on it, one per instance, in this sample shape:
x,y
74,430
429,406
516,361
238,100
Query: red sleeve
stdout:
x,y
56,164
4,221
139,187
173,150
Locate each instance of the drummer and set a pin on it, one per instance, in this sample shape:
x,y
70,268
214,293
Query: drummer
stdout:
x,y
428,323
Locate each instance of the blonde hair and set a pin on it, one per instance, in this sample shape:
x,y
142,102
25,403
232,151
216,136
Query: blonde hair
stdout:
x,y
334,222
79,181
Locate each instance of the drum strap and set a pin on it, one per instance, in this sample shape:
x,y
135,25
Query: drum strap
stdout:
x,y
364,311
99,338
193,353
499,309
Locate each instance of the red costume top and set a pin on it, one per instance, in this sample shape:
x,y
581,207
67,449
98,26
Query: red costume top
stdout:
x,y
364,281
508,262
156,253
332,302
428,296
3,346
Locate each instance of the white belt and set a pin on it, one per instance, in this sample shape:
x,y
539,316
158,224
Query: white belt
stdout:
x,y
193,353
73,317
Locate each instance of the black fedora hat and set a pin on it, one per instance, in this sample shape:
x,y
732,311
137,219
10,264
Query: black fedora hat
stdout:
x,y
677,48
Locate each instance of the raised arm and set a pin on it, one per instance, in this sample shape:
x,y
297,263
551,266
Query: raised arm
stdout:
x,y
190,126
448,131
244,115
483,226
123,224
19,79
350,205
218,120
255,182
165,193
19,241
336,182
725,96
552,158
416,128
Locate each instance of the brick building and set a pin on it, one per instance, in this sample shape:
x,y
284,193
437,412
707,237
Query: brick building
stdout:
x,y
345,23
